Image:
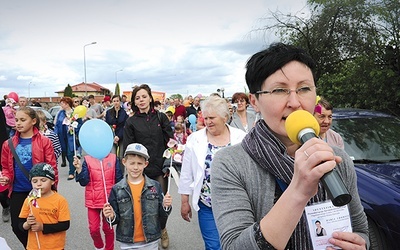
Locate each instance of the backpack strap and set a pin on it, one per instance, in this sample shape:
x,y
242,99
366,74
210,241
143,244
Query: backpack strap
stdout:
x,y
12,148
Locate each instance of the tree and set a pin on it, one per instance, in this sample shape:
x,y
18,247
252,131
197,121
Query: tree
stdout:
x,y
174,96
117,90
356,44
68,91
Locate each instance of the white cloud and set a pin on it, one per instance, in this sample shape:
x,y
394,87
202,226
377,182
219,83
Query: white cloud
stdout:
x,y
25,78
175,46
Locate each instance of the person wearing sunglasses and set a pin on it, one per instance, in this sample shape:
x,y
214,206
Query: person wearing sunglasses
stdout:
x,y
76,102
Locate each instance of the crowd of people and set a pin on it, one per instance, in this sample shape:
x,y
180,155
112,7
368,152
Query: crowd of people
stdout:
x,y
248,182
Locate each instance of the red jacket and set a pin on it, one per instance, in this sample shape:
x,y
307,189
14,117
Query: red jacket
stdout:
x,y
42,151
95,197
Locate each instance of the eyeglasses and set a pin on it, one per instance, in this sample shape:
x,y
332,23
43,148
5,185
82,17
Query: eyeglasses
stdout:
x,y
302,91
240,101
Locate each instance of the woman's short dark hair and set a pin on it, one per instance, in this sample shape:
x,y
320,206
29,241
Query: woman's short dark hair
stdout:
x,y
266,62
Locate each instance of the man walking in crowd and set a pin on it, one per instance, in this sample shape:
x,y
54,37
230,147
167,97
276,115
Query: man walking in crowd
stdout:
x,y
106,106
36,103
22,101
124,101
95,106
179,109
193,109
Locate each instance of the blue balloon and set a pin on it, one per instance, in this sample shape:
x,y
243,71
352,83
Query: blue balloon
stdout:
x,y
193,127
192,119
96,138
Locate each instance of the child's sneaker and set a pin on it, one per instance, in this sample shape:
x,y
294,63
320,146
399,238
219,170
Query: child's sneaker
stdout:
x,y
6,214
164,238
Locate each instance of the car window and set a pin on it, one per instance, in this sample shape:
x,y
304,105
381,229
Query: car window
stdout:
x,y
372,138
49,117
54,110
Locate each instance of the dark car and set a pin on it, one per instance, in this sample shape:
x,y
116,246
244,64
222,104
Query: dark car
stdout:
x,y
372,140
49,117
54,110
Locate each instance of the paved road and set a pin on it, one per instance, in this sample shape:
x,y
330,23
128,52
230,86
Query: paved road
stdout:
x,y
183,235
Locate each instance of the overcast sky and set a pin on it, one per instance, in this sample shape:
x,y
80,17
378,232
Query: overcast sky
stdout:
x,y
176,46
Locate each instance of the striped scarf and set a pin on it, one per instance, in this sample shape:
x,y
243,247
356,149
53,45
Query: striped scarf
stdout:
x,y
270,153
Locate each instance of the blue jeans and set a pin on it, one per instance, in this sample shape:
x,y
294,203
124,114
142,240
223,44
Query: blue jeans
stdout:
x,y
70,158
208,228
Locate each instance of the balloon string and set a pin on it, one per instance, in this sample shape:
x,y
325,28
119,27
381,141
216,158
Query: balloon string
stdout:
x,y
73,134
105,189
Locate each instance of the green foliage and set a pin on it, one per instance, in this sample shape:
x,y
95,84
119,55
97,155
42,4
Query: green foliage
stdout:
x,y
117,90
356,44
174,96
68,91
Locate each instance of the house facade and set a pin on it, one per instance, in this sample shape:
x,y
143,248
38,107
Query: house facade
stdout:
x,y
85,89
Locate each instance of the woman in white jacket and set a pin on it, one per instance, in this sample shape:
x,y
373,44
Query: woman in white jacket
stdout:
x,y
196,167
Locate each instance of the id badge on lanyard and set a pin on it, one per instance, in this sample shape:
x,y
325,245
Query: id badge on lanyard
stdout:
x,y
323,219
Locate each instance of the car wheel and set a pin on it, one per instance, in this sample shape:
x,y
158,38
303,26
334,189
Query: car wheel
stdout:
x,y
377,237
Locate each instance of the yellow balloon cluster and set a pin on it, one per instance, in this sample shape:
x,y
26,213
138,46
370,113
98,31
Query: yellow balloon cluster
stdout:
x,y
80,111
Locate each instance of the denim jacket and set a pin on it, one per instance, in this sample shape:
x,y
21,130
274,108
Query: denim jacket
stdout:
x,y
152,210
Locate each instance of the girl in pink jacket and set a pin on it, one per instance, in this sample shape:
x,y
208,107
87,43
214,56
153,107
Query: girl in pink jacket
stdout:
x,y
98,179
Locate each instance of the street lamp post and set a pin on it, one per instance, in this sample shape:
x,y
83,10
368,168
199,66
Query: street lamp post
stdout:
x,y
84,63
222,90
29,91
116,75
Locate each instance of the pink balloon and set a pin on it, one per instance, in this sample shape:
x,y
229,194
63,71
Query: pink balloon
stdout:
x,y
13,95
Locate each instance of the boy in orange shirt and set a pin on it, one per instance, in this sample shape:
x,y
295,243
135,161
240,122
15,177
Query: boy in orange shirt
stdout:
x,y
45,214
137,203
